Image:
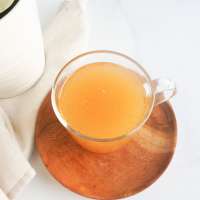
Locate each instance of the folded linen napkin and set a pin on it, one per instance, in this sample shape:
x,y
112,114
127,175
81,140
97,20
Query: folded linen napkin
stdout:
x,y
66,36
15,171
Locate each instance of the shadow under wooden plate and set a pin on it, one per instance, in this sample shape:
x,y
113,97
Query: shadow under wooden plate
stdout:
x,y
107,176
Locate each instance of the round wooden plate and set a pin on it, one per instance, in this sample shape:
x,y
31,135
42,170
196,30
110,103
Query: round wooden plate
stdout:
x,y
107,176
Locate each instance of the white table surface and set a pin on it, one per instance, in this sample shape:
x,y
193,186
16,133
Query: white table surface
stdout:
x,y
164,36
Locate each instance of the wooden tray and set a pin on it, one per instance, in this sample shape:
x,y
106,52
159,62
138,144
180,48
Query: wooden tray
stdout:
x,y
107,176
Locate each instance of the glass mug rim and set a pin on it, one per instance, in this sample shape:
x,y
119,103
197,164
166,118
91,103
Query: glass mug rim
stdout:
x,y
77,133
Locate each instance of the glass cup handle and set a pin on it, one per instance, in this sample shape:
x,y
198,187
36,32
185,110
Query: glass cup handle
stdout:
x,y
164,90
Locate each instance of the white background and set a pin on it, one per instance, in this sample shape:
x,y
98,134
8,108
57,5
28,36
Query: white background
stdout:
x,y
164,36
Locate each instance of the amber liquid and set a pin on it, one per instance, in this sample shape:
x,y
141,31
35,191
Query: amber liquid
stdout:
x,y
103,100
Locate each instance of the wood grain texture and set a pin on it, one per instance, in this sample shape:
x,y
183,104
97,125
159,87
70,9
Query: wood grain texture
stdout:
x,y
107,176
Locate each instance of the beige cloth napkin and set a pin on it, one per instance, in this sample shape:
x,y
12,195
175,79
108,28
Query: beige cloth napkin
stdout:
x,y
65,37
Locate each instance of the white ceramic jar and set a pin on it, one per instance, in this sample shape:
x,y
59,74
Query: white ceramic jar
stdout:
x,y
22,57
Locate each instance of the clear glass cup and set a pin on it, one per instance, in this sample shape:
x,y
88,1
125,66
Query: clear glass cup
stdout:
x,y
160,90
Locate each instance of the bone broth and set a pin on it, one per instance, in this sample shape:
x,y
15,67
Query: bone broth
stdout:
x,y
103,100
